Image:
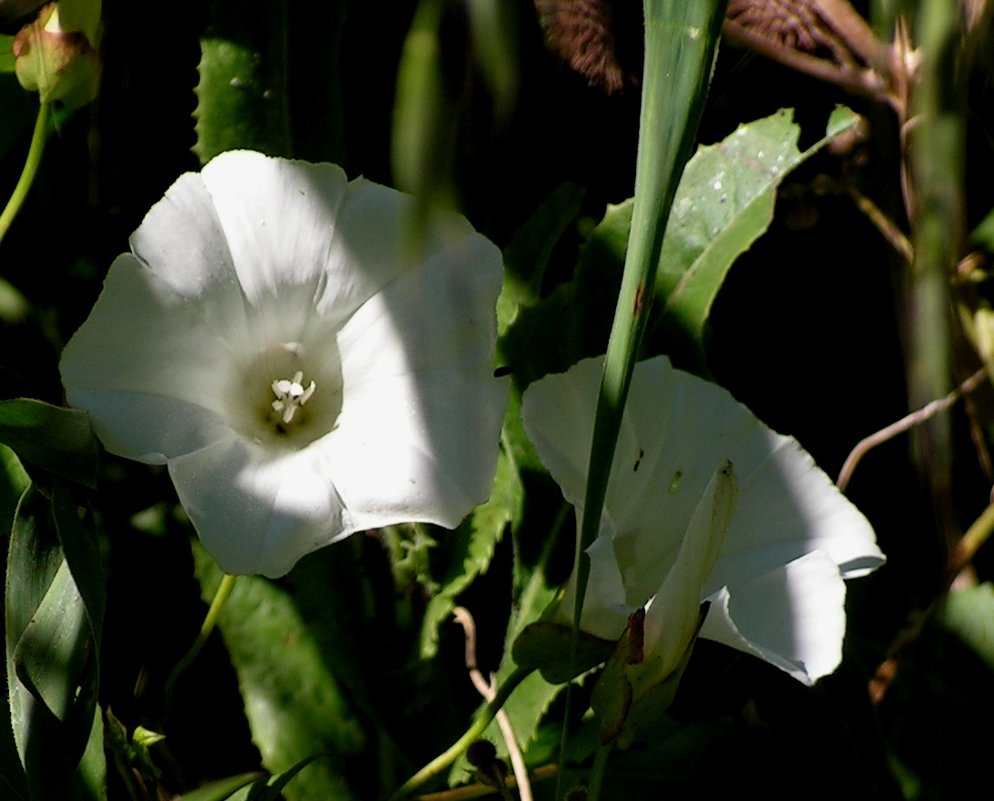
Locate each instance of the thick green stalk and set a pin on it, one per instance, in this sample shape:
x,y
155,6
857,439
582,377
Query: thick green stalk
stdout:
x,y
937,148
680,42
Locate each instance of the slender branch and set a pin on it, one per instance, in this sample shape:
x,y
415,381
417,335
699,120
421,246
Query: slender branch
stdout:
x,y
35,151
906,423
478,790
210,621
487,690
442,761
864,82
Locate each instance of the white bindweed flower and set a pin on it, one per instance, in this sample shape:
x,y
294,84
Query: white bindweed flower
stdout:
x,y
306,361
705,502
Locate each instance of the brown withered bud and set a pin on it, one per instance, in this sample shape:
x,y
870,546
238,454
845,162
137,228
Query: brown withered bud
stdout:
x,y
580,32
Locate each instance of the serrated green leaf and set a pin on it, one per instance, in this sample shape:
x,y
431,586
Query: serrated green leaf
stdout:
x,y
724,202
243,92
294,704
56,439
471,548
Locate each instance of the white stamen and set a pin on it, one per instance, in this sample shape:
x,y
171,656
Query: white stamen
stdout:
x,y
291,395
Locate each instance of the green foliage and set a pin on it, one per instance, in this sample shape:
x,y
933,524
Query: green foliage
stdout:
x,y
723,204
470,548
295,705
54,603
56,439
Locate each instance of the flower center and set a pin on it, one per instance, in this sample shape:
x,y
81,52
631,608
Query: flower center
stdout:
x,y
290,396
272,403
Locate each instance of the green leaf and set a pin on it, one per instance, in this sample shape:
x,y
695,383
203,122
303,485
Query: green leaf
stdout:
x,y
271,789
546,645
53,616
222,789
969,613
55,439
527,255
295,706
573,321
6,54
471,548
724,202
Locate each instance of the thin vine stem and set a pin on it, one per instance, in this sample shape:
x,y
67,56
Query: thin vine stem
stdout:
x,y
210,621
35,151
443,760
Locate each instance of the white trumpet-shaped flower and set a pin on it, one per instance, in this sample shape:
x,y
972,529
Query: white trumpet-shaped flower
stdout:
x,y
705,503
305,359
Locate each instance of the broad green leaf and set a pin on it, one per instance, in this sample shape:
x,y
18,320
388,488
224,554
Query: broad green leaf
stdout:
x,y
56,439
471,547
243,95
724,202
295,706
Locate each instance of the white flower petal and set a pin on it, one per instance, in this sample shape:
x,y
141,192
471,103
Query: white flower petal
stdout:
x,y
258,274
256,513
673,611
144,355
418,447
675,429
792,617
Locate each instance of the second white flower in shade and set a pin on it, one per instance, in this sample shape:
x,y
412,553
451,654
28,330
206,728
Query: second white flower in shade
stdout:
x,y
705,503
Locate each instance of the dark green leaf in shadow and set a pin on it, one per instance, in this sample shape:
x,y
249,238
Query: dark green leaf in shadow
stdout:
x,y
969,613
222,789
546,645
295,706
56,439
526,256
52,642
573,321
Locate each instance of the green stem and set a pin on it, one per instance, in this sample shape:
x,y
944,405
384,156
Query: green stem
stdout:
x,y
210,621
442,761
597,772
20,192
680,43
